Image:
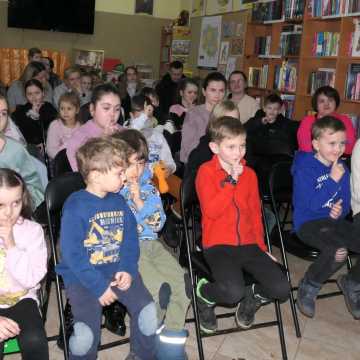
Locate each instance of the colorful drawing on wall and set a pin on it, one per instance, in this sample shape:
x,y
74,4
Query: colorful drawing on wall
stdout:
x,y
237,46
239,29
230,66
209,42
228,29
246,4
89,58
180,47
144,7
218,6
224,52
198,8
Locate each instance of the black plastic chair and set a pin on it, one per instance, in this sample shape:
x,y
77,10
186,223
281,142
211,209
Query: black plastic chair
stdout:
x,y
61,164
281,189
57,191
198,268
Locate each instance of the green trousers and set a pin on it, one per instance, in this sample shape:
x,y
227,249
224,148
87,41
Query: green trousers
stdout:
x,y
157,266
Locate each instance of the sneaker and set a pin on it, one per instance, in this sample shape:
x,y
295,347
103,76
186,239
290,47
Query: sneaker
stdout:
x,y
351,291
306,297
248,306
208,321
171,344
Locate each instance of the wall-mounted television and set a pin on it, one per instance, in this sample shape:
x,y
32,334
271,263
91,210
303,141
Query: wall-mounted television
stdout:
x,y
76,16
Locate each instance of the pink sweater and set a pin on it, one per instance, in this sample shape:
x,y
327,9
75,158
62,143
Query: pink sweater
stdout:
x,y
304,132
57,136
23,266
85,132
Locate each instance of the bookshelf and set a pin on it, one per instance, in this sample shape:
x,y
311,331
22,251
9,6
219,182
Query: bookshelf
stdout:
x,y
335,27
165,50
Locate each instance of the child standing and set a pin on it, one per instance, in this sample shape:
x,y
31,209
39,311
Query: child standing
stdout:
x,y
23,259
232,231
99,260
105,109
321,200
61,130
161,273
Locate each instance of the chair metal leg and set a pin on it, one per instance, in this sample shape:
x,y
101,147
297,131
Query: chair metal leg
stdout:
x,y
281,330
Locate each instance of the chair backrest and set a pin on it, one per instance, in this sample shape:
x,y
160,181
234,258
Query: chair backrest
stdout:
x,y
188,194
281,182
61,163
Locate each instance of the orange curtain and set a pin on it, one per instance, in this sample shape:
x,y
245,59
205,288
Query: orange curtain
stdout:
x,y
13,61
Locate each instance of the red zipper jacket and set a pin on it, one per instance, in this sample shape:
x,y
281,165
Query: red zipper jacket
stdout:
x,y
231,214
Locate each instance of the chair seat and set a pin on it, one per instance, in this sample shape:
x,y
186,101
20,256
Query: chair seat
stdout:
x,y
295,246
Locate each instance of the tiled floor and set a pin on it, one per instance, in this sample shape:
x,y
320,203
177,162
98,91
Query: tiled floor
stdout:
x,y
331,335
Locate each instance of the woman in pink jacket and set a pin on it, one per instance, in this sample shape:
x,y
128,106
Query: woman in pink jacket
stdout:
x,y
325,101
23,264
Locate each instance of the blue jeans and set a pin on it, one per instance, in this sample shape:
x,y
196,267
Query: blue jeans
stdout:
x,y
87,313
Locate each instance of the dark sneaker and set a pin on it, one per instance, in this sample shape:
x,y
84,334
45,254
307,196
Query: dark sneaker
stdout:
x,y
247,308
306,297
114,318
208,321
351,291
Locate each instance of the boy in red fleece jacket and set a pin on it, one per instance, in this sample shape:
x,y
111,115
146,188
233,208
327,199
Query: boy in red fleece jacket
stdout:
x,y
232,231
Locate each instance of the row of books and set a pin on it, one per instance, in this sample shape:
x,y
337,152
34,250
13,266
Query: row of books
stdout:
x,y
321,77
289,105
258,76
352,85
326,44
262,45
290,43
267,11
318,8
355,119
294,9
286,76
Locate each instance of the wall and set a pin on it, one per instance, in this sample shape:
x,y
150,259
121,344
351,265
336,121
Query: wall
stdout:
x,y
132,38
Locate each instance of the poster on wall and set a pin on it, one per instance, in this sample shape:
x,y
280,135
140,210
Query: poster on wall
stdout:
x,y
198,8
237,46
230,66
224,52
218,6
209,42
144,7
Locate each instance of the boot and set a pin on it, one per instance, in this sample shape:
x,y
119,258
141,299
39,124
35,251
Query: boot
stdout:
x,y
114,318
69,326
351,291
171,344
306,296
248,306
208,321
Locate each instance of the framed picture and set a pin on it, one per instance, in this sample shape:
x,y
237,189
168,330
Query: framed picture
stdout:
x,y
237,46
224,52
89,59
144,7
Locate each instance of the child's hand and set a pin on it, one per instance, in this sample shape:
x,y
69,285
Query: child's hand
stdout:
x,y
108,297
6,234
134,189
272,257
336,210
236,171
122,280
264,120
337,171
110,129
8,328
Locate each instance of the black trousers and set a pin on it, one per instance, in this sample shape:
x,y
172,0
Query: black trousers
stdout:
x,y
32,338
328,235
228,263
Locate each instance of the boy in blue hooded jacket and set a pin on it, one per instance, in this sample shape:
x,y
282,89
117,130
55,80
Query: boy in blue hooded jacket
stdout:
x,y
321,200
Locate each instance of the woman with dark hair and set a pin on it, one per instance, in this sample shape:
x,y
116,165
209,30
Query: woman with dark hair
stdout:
x,y
34,118
325,101
16,93
129,85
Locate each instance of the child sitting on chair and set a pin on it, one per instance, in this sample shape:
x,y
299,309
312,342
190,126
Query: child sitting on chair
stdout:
x,y
232,231
321,200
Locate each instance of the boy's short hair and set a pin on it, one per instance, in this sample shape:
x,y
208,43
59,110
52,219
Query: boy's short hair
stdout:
x,y
148,91
326,123
138,102
176,65
214,76
33,51
136,142
225,127
273,99
101,154
70,70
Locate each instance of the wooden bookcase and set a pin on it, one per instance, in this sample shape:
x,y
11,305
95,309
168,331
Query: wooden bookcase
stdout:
x,y
165,50
306,62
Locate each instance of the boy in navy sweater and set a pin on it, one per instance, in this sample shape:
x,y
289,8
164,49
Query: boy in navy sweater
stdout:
x,y
321,200
100,252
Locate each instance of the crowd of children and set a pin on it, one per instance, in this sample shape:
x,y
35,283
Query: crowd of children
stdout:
x,y
112,231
